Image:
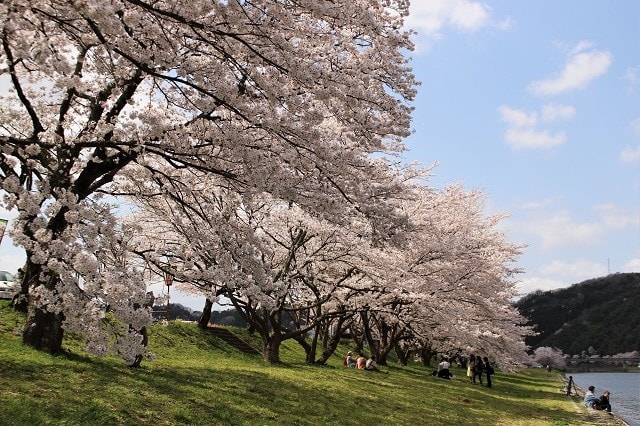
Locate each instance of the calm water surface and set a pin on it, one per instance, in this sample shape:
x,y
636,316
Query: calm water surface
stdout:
x,y
624,388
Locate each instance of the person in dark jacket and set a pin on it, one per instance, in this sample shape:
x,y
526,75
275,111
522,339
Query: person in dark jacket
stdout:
x,y
603,402
488,370
478,369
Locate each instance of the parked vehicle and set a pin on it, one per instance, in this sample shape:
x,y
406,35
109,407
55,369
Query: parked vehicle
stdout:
x,y
7,285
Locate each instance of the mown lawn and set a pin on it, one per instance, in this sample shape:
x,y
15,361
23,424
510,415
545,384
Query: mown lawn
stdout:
x,y
200,380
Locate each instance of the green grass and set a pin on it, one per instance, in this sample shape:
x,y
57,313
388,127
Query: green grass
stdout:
x,y
197,379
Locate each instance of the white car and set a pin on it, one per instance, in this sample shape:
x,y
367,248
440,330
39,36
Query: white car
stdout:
x,y
7,285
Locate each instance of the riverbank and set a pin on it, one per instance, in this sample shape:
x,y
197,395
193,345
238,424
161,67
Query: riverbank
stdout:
x,y
624,389
576,393
198,379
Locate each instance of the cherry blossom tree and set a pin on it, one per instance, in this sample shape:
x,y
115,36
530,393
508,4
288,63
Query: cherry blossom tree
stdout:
x,y
272,97
552,357
286,271
452,281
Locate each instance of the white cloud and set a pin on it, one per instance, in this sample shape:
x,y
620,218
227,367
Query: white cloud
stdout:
x,y
537,204
506,24
616,218
528,285
631,76
578,48
530,138
635,126
630,154
580,69
431,17
560,230
517,117
632,266
579,270
467,15
553,112
522,131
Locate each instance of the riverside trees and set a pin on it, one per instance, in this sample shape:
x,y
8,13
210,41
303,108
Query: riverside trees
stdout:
x,y
266,96
249,136
439,277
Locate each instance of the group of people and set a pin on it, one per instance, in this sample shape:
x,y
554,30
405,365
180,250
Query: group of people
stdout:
x,y
592,401
360,362
477,367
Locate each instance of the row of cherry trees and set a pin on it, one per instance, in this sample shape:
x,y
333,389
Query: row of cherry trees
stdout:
x,y
246,148
438,278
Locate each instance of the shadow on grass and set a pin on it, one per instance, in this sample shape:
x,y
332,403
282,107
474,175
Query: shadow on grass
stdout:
x,y
198,379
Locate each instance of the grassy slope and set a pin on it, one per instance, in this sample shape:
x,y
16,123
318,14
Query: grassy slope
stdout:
x,y
198,379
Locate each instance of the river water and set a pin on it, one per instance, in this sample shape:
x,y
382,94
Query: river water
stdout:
x,y
624,388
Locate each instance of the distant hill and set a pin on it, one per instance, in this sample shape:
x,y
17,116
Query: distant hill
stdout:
x,y
177,311
602,314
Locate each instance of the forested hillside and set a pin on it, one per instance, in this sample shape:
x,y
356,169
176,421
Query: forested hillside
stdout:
x,y
602,314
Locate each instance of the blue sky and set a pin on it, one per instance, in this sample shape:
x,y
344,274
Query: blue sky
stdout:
x,y
537,103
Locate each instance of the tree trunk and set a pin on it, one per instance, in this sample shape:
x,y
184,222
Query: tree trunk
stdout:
x,y
271,348
26,276
333,342
205,318
357,337
313,348
426,354
403,355
308,349
145,341
43,330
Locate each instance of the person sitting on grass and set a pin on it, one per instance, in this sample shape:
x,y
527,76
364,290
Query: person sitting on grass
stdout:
x,y
603,402
349,361
371,364
443,369
361,362
590,398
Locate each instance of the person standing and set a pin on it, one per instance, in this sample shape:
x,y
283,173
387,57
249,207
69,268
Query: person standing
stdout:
x,y
477,370
488,370
569,385
472,360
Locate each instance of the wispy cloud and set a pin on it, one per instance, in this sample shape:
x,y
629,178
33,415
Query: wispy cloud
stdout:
x,y
581,68
522,131
632,265
614,217
531,138
555,112
560,274
537,204
577,270
431,17
630,154
559,229
528,285
631,76
506,24
635,126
